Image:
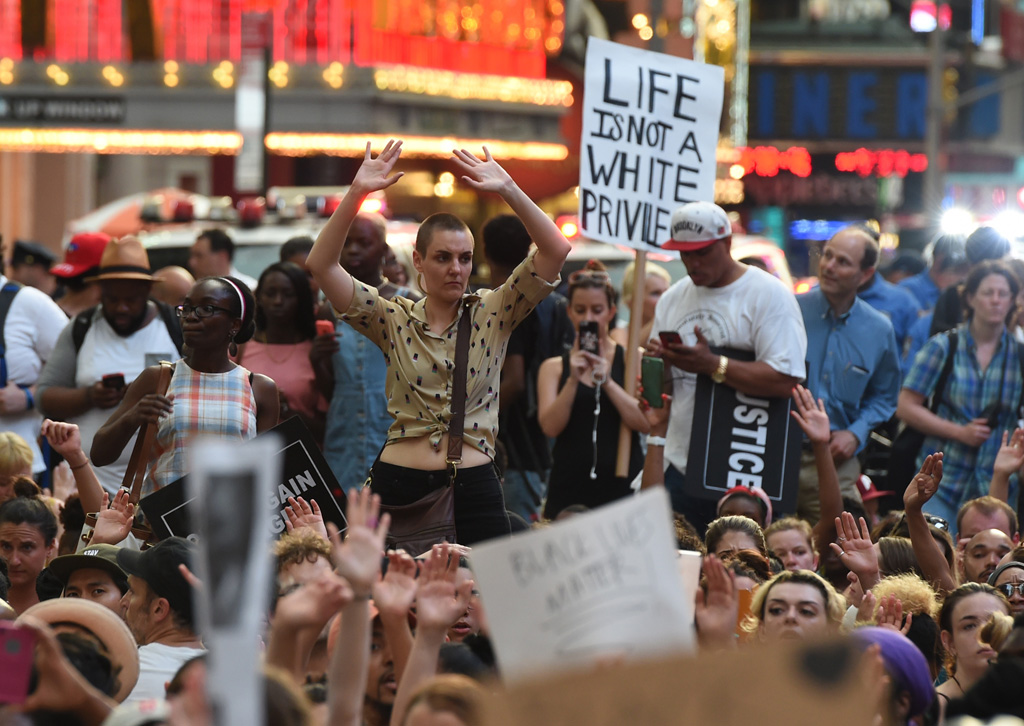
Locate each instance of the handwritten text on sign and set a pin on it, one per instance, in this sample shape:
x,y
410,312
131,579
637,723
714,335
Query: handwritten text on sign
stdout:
x,y
650,131
602,583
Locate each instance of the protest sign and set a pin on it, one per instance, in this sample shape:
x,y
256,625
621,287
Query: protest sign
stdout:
x,y
742,440
305,473
650,132
602,583
229,494
797,684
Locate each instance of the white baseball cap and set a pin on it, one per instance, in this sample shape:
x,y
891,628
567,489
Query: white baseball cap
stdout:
x,y
696,225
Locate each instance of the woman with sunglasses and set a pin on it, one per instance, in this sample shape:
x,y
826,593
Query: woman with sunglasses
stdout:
x,y
581,402
419,338
208,395
981,396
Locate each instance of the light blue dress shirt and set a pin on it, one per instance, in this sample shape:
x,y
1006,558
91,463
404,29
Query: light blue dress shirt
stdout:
x,y
853,364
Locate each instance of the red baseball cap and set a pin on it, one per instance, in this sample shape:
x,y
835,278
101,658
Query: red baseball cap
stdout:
x,y
867,489
82,254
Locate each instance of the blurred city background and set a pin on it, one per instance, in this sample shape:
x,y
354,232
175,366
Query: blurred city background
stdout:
x,y
166,116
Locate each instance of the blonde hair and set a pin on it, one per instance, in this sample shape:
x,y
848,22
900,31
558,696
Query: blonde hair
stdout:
x,y
835,604
792,523
996,629
455,694
650,270
916,595
15,454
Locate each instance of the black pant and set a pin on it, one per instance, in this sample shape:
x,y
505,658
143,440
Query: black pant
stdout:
x,y
479,504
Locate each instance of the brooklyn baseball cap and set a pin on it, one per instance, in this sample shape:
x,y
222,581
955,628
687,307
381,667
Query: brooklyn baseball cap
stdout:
x,y
696,225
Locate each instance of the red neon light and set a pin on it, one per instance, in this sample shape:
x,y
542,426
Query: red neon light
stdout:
x,y
882,162
768,160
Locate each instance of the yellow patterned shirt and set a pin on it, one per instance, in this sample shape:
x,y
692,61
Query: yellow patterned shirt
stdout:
x,y
420,360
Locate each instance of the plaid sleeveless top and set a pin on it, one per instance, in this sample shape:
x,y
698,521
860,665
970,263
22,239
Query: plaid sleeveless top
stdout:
x,y
205,404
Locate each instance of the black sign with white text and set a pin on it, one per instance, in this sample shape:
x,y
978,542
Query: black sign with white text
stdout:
x,y
741,440
305,474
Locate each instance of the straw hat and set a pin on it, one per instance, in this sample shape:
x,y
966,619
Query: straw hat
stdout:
x,y
124,259
107,627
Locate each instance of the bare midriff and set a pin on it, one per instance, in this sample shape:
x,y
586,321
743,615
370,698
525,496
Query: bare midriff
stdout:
x,y
417,453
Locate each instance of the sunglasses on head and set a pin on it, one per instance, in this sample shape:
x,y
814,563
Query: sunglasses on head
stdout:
x,y
599,275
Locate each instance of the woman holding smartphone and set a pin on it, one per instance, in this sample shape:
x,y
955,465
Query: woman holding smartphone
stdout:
x,y
581,402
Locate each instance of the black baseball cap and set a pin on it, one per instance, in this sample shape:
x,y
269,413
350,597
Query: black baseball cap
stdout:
x,y
158,566
26,252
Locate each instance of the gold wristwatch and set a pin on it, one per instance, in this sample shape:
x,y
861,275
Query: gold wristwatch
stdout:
x,y
719,375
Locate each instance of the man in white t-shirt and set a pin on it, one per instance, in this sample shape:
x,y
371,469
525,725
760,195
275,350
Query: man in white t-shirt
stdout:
x,y
158,611
722,303
30,329
119,338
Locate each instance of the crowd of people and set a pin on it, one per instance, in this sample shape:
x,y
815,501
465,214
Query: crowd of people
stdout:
x,y
503,405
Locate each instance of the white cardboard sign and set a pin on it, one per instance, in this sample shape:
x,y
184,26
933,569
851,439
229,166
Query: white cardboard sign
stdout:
x,y
602,584
650,132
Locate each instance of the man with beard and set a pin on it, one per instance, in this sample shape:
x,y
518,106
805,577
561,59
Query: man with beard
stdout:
x,y
982,553
103,349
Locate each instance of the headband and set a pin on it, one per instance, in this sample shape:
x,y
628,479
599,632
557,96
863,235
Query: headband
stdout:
x,y
238,291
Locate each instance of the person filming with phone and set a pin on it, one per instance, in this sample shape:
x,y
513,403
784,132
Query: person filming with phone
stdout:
x,y
721,303
581,402
104,348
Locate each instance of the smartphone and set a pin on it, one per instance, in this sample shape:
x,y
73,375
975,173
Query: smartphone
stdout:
x,y
324,327
670,338
16,656
590,337
652,376
114,380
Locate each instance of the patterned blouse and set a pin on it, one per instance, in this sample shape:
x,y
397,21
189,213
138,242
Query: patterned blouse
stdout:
x,y
205,404
419,360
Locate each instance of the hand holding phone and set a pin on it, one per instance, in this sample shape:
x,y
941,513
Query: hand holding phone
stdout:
x,y
324,327
16,656
652,376
670,338
114,381
590,337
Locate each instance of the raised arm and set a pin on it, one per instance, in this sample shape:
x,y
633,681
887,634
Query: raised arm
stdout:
x,y
1008,462
140,405
488,176
927,551
324,258
65,439
811,416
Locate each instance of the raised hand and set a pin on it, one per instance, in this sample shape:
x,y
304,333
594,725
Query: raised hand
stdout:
x,y
299,514
114,523
483,175
718,607
357,559
373,173
924,484
856,550
313,604
65,439
1010,457
890,615
395,593
811,416
439,604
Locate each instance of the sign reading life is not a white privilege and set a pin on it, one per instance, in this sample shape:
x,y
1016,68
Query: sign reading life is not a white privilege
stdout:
x,y
604,583
650,131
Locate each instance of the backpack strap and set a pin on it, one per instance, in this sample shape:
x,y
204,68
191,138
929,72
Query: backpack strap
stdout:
x,y
80,326
7,294
947,368
135,474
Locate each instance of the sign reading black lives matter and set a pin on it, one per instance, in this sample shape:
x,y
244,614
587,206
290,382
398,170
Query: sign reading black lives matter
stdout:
x,y
742,440
650,131
305,474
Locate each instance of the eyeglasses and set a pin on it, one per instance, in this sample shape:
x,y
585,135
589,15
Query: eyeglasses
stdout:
x,y
201,311
598,275
1008,588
